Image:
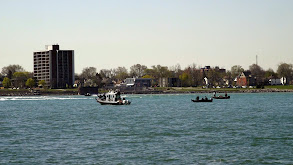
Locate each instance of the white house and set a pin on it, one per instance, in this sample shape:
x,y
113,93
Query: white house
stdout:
x,y
275,81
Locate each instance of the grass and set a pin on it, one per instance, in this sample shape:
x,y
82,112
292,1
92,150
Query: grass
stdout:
x,y
58,90
279,87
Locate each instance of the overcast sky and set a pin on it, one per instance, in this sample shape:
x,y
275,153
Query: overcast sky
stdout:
x,y
111,33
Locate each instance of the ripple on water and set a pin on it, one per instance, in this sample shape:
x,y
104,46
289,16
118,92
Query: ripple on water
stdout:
x,y
154,129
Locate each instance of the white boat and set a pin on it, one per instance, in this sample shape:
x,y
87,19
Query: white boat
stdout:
x,y
112,98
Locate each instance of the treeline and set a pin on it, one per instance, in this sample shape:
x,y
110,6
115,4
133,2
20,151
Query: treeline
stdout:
x,y
192,75
15,76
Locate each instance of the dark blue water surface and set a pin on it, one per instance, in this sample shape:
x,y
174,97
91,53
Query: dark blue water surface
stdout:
x,y
154,129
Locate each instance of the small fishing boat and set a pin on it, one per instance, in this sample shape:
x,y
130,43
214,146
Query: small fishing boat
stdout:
x,y
202,99
221,97
87,94
112,98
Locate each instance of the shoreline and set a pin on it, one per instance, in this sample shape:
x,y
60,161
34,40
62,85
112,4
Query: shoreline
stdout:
x,y
212,91
61,92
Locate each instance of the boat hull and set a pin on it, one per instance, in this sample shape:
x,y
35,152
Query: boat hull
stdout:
x,y
210,100
218,97
113,102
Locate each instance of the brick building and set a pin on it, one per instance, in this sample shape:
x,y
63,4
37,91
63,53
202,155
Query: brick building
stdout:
x,y
54,66
246,79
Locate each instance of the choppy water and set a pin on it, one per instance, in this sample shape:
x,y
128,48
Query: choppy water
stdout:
x,y
154,129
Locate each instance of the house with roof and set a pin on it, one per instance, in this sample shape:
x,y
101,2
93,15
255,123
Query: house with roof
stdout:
x,y
246,79
276,81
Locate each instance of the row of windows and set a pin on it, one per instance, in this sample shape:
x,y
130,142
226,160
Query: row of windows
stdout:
x,y
41,59
42,64
40,74
41,53
43,72
42,68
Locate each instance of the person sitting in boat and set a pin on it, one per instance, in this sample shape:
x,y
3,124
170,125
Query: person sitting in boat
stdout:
x,y
197,97
205,98
226,94
215,94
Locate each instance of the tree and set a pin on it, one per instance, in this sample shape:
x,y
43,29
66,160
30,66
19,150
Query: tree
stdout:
x,y
106,73
214,77
176,70
258,72
121,73
228,76
161,71
20,78
195,76
148,76
236,70
6,82
11,69
285,70
150,72
30,82
270,72
88,73
42,83
184,77
88,76
137,70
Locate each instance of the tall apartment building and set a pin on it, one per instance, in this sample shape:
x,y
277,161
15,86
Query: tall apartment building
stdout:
x,y
54,66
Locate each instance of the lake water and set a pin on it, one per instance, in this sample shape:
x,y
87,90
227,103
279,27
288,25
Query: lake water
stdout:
x,y
154,129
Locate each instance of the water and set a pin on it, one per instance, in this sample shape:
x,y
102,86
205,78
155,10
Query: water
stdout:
x,y
154,129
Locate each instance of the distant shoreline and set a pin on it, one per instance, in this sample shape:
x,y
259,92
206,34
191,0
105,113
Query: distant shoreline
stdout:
x,y
72,92
28,93
212,91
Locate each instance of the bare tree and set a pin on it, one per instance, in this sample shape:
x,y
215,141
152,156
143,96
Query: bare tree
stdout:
x,y
196,77
137,70
176,69
236,70
107,73
11,69
121,73
258,72
285,70
160,71
88,76
88,73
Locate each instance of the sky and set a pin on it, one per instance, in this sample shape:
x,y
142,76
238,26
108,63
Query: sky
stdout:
x,y
106,34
